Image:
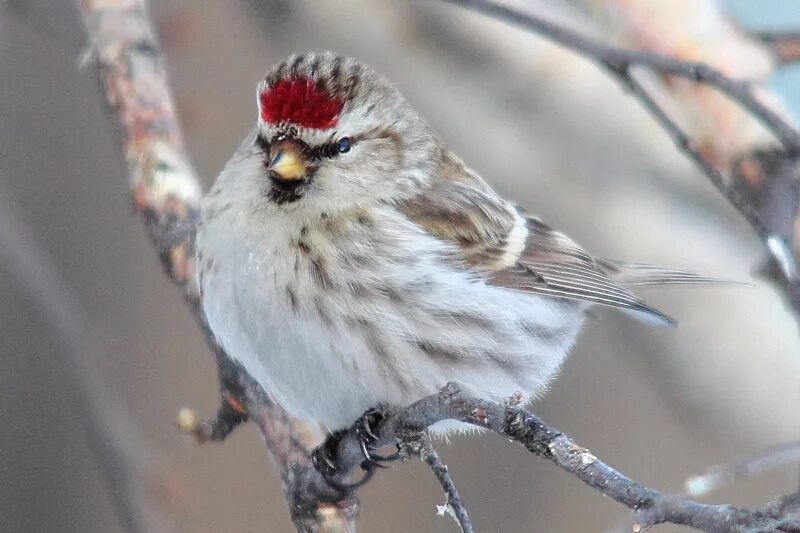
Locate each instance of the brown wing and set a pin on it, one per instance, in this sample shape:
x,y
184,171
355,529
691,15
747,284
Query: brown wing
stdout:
x,y
479,221
462,208
553,264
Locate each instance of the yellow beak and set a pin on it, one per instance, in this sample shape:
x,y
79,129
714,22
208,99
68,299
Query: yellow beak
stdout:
x,y
288,163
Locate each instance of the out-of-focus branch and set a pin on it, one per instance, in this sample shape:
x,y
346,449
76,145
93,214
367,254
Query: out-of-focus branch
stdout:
x,y
718,476
784,44
784,249
760,178
167,195
121,457
771,184
623,59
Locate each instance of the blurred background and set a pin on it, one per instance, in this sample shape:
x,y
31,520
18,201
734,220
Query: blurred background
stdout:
x,y
544,127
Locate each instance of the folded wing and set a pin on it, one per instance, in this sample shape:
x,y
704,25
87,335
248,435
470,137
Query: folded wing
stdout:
x,y
522,253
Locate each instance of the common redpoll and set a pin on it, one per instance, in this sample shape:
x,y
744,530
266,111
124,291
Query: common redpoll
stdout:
x,y
348,259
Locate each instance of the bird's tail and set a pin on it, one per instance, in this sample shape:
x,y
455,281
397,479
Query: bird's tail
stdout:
x,y
643,275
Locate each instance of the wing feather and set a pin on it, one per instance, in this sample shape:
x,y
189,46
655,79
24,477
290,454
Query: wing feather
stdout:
x,y
523,253
644,275
553,264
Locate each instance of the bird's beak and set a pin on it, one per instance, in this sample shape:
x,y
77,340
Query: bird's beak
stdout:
x,y
288,162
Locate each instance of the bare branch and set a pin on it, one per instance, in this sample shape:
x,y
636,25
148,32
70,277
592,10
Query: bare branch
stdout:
x,y
167,195
784,44
421,446
622,59
718,476
684,143
783,246
650,506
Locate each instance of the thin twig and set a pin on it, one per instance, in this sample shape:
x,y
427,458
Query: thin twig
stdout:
x,y
739,91
718,476
421,446
684,143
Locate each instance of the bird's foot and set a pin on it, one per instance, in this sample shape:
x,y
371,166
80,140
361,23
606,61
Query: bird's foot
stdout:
x,y
324,459
324,456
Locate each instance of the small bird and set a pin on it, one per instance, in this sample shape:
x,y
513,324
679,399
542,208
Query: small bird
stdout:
x,y
347,259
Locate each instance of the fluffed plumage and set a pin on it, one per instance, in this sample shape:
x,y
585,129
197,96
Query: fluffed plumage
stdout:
x,y
381,267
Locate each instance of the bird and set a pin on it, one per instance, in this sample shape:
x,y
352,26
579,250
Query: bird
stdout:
x,y
348,259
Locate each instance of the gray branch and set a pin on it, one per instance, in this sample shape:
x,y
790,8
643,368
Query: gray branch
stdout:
x,y
649,506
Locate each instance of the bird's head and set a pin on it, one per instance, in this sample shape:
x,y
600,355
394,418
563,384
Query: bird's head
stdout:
x,y
332,135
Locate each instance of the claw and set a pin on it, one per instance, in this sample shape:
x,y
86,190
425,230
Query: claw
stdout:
x,y
366,423
322,456
369,471
370,457
322,461
362,443
367,436
396,456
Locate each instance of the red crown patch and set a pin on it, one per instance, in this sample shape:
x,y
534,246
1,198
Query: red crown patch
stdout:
x,y
300,101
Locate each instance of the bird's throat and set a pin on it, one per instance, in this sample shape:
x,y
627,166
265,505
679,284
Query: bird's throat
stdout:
x,y
283,191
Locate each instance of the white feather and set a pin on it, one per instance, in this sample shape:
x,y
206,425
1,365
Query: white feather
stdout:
x,y
516,243
317,360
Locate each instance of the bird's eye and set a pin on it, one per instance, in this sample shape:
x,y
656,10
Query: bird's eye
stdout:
x,y
343,145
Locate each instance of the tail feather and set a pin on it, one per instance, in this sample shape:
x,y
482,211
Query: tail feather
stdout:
x,y
644,275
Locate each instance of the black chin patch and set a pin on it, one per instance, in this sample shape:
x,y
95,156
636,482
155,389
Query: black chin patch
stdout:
x,y
286,191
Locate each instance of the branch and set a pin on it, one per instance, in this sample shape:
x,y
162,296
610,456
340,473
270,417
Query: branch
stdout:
x,y
718,476
622,59
650,507
785,45
783,245
421,446
167,195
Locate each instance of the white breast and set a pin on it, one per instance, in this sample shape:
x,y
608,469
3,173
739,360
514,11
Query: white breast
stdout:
x,y
335,316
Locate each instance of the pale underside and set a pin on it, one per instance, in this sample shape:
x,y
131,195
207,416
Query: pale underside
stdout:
x,y
386,304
